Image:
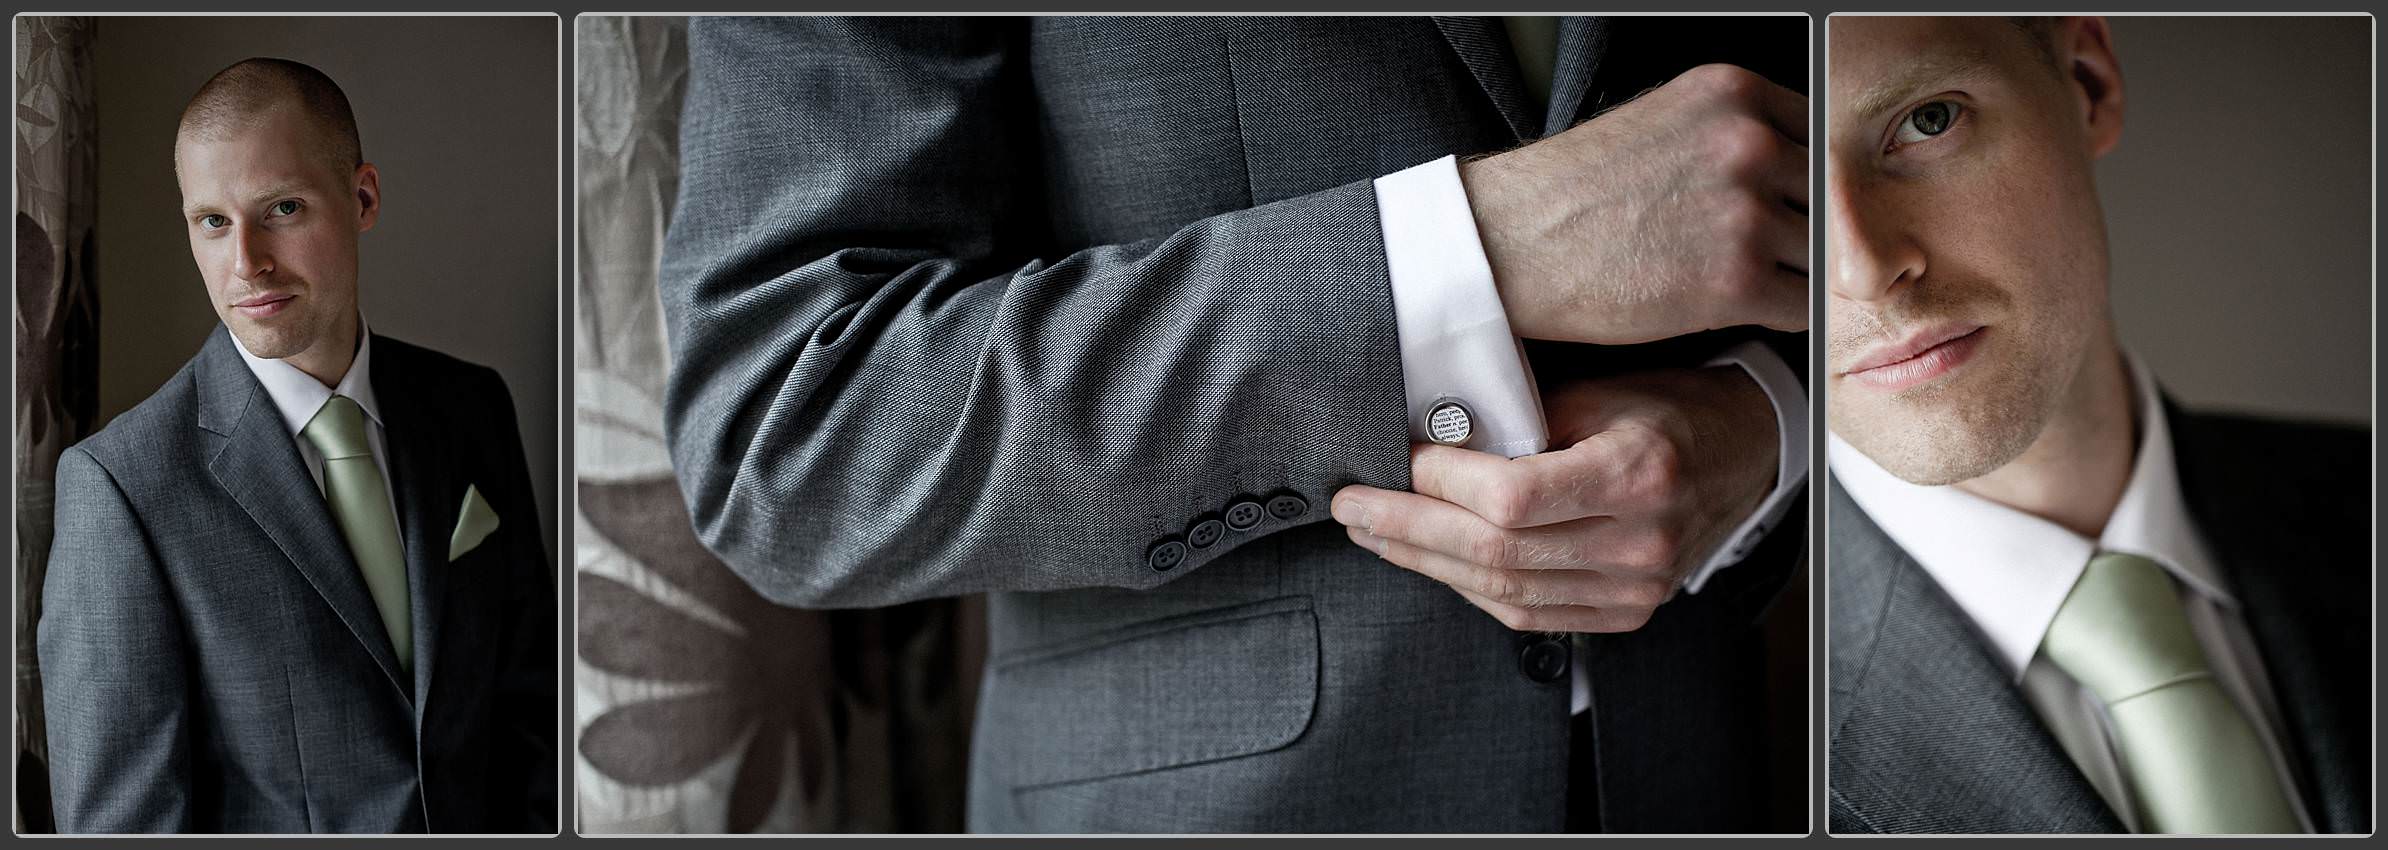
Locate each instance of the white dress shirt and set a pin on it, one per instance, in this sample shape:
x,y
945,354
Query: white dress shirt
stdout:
x,y
1456,344
2009,571
298,397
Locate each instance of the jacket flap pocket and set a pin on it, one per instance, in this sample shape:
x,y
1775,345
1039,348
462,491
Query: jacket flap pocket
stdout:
x,y
1166,693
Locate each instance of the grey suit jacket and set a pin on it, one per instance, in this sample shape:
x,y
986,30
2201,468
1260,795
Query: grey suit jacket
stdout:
x,y
212,661
1928,735
1021,306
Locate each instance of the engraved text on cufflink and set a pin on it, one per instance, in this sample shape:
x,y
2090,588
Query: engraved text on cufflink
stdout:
x,y
1449,423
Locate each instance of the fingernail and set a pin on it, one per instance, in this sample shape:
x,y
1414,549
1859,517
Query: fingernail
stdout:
x,y
1354,511
1369,541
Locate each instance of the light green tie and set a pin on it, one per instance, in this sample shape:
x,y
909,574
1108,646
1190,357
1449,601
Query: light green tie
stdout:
x,y
2194,761
352,485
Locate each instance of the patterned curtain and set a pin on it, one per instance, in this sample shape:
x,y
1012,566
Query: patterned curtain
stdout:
x,y
57,331
701,707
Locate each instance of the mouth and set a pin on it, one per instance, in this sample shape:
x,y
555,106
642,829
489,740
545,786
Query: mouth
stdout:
x,y
1919,358
262,306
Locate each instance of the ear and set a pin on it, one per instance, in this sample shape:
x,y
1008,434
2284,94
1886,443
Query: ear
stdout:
x,y
2087,49
368,189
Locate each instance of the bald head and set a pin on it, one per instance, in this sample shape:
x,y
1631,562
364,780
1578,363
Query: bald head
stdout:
x,y
254,89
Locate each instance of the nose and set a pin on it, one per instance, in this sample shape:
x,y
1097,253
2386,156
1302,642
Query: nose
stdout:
x,y
251,255
1872,248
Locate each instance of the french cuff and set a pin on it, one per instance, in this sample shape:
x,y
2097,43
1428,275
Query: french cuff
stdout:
x,y
1791,471
1465,374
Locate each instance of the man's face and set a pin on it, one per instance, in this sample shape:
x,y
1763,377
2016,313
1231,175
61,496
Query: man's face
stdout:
x,y
1968,256
273,226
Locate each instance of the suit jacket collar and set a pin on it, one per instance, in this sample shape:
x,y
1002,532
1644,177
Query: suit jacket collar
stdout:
x,y
1928,734
1583,41
257,462
1483,45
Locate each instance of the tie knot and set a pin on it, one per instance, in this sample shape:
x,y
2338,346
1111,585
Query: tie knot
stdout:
x,y
338,429
2122,632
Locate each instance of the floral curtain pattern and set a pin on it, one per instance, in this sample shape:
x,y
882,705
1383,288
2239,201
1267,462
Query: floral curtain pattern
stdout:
x,y
57,333
700,706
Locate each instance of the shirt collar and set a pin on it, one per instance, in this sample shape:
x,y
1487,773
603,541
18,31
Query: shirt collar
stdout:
x,y
299,396
2009,570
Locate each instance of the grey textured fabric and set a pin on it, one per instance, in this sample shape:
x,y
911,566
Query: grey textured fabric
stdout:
x,y
1928,735
1001,305
215,663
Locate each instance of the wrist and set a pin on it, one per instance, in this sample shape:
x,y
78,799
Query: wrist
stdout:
x,y
1491,201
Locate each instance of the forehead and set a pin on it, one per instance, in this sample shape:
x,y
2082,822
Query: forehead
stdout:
x,y
1873,60
275,148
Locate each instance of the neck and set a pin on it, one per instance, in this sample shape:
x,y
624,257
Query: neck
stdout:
x,y
2076,471
328,361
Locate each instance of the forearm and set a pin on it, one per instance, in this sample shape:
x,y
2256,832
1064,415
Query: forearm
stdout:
x,y
887,388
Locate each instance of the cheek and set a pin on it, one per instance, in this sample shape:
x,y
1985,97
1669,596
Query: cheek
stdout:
x,y
2023,220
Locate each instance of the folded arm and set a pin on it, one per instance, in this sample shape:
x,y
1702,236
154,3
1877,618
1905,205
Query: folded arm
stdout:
x,y
885,389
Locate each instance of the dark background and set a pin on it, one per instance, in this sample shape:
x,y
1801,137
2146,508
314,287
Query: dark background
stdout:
x,y
2238,209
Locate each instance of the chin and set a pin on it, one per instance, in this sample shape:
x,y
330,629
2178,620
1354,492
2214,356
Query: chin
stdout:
x,y
1946,443
271,343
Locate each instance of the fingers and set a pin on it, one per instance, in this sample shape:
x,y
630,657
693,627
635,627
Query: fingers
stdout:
x,y
1544,600
1512,492
1784,109
1787,301
1453,532
1789,179
1603,545
1787,236
1566,618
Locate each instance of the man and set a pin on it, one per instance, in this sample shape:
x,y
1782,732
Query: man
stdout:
x,y
302,587
1103,316
2060,603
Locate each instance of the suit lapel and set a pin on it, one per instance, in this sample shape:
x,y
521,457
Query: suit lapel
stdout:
x,y
2287,584
1582,43
1928,732
258,463
428,500
1483,46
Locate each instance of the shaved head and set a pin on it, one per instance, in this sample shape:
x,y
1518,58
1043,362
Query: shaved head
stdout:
x,y
253,90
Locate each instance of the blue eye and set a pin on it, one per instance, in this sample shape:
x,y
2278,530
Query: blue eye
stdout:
x,y
211,222
1926,121
285,208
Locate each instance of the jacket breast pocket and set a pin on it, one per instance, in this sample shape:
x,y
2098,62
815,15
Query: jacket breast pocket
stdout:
x,y
1174,692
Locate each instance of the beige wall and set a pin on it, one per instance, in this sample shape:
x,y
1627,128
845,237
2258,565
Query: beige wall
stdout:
x,y
460,115
2239,210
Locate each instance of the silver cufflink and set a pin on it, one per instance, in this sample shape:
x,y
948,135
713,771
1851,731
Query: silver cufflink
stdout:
x,y
1449,423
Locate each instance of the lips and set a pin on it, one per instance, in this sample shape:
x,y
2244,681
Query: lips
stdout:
x,y
261,306
1920,357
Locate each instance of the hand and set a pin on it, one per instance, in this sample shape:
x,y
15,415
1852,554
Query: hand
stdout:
x,y
1683,210
1658,468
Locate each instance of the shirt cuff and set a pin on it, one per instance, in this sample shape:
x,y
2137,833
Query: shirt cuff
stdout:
x,y
1791,472
1455,339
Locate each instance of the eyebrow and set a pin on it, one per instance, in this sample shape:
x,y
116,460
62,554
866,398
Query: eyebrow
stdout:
x,y
1926,71
257,197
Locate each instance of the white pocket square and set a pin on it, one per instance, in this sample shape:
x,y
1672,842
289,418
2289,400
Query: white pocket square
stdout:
x,y
473,524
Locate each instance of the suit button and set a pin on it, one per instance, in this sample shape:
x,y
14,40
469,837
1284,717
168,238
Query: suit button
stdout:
x,y
1544,661
1243,515
1165,556
1288,506
1205,533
